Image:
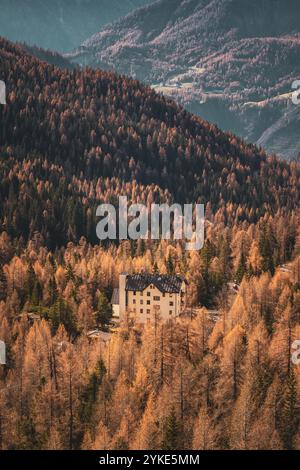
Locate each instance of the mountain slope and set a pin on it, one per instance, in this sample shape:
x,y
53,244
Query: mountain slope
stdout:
x,y
69,136
51,57
60,24
223,52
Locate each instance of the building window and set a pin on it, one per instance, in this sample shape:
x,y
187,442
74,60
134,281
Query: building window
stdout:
x,y
134,301
148,311
156,297
148,294
171,304
148,302
141,293
141,310
142,302
134,293
171,312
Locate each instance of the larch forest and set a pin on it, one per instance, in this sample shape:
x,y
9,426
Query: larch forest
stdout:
x,y
71,139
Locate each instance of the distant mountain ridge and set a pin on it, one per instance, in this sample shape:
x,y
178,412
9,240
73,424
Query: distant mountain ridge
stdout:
x,y
59,24
181,31
231,52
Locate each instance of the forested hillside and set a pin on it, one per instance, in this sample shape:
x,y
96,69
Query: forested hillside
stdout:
x,y
203,382
65,134
218,377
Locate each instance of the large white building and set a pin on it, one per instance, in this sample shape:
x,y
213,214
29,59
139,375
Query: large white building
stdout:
x,y
145,297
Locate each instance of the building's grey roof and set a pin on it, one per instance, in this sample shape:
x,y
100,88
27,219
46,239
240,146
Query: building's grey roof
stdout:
x,y
164,283
115,297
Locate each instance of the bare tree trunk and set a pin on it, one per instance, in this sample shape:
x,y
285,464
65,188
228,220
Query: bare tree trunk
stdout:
x,y
1,437
162,365
235,388
70,408
289,347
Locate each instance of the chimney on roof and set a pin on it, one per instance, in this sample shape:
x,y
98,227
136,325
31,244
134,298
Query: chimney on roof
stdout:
x,y
122,295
